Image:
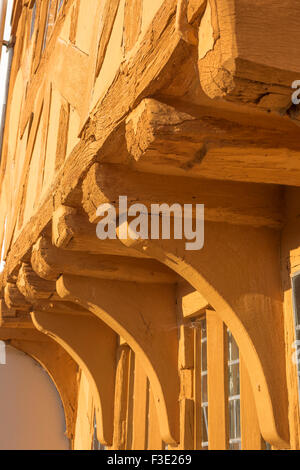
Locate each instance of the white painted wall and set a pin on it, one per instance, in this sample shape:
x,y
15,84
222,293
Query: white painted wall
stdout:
x,y
31,413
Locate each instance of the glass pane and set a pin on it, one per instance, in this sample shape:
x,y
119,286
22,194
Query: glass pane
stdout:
x,y
231,420
234,379
233,350
204,424
296,298
203,356
234,394
237,419
296,307
204,396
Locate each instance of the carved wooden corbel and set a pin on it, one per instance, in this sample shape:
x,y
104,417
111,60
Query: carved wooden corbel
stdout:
x,y
32,286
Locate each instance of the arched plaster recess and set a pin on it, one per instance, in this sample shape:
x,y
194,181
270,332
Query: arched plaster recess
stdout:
x,y
63,371
93,346
237,271
145,316
31,415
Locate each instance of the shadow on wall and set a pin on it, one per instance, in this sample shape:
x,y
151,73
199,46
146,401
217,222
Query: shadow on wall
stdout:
x,y
31,412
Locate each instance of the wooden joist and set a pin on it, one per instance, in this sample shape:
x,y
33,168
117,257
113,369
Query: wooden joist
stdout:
x,y
235,203
163,139
73,231
50,262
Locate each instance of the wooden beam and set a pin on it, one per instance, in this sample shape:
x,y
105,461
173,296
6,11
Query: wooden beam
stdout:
x,y
60,308
132,23
197,388
165,52
73,231
21,321
217,383
247,59
121,397
140,407
231,202
250,432
190,302
6,312
162,139
49,262
22,334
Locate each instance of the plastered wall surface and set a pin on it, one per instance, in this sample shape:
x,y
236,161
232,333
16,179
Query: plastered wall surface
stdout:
x,y
31,414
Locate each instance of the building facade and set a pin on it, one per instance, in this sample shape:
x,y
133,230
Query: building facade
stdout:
x,y
151,345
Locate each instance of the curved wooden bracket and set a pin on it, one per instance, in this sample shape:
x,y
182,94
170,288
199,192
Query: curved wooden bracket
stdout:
x,y
145,316
93,346
237,271
49,262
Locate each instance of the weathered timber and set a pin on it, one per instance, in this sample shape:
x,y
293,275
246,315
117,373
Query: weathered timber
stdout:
x,y
50,262
232,202
73,231
163,139
11,318
14,299
245,59
60,307
32,286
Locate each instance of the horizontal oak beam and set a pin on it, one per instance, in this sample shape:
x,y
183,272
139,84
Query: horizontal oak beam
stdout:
x,y
73,231
231,202
49,262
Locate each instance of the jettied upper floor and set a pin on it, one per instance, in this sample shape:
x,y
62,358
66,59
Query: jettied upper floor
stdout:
x,y
168,101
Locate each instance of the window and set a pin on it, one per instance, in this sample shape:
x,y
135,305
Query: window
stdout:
x,y
234,394
204,397
217,351
96,444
